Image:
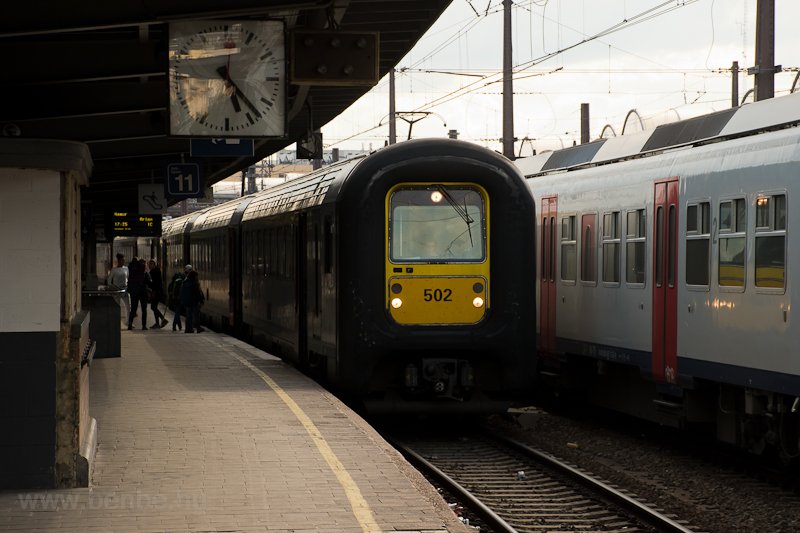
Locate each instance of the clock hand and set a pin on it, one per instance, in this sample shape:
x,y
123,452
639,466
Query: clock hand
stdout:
x,y
224,74
246,99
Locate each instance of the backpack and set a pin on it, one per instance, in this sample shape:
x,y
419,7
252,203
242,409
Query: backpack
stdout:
x,y
175,288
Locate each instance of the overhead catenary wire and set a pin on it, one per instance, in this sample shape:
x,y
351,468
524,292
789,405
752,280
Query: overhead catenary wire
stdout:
x,y
489,79
636,19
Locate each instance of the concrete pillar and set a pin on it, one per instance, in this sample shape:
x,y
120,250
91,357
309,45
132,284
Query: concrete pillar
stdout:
x,y
43,333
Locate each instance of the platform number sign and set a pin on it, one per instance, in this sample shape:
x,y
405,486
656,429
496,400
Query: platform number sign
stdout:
x,y
184,180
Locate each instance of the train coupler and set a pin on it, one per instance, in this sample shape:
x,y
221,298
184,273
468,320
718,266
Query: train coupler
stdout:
x,y
449,378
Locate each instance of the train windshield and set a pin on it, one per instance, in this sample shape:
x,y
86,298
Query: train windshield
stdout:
x,y
437,223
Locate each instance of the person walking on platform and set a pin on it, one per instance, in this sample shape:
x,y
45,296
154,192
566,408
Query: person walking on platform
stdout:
x,y
174,289
157,286
118,281
191,299
137,288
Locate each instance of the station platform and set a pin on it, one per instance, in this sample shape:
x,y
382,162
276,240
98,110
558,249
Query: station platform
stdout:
x,y
201,432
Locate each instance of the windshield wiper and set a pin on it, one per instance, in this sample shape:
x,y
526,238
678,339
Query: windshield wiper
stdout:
x,y
462,211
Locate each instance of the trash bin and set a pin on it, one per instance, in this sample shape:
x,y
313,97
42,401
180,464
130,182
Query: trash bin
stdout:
x,y
104,325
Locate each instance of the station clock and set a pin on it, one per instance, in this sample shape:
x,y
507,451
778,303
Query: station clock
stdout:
x,y
227,78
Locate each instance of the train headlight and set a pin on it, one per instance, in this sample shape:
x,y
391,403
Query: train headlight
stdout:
x,y
436,197
478,301
397,303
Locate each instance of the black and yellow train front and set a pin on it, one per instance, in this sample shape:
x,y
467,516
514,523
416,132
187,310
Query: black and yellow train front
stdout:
x,y
437,283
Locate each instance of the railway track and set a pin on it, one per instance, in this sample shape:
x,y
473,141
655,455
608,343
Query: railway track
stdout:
x,y
512,487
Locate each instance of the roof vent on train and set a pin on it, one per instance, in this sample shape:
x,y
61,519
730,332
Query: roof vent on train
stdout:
x,y
771,114
688,131
574,155
764,115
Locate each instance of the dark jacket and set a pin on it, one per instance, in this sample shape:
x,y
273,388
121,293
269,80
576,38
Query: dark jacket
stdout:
x,y
156,283
190,293
137,278
174,289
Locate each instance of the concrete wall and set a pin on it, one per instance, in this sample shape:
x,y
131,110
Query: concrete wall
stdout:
x,y
30,222
40,369
30,323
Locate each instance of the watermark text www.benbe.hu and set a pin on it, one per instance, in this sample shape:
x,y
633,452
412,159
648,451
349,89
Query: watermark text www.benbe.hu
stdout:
x,y
133,501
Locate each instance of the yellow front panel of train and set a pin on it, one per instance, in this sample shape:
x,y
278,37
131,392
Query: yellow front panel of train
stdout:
x,y
437,300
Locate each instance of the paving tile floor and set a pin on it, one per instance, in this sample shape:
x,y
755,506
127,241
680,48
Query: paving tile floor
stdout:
x,y
193,437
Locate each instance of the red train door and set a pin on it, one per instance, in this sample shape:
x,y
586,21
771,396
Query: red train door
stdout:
x,y
547,304
665,283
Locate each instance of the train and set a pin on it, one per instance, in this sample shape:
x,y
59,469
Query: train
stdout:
x,y
130,247
403,279
664,285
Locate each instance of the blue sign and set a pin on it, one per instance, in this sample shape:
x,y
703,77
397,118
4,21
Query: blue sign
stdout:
x,y
184,180
221,147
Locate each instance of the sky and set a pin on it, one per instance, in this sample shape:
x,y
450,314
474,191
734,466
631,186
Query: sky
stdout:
x,y
667,60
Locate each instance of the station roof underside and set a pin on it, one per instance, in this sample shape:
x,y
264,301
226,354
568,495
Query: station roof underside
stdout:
x,y
96,72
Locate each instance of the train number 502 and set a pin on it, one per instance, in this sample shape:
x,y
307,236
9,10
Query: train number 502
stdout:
x,y
437,295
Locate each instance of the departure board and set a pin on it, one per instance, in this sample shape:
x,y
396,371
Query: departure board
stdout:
x,y
134,224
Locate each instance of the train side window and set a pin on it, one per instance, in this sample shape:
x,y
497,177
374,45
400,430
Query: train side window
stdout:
x,y
247,253
194,251
226,264
328,228
732,239
659,244
287,251
611,247
279,252
588,249
260,252
725,216
254,253
543,268
672,226
548,248
273,252
552,263
771,241
635,247
291,259
282,252
698,244
691,219
568,248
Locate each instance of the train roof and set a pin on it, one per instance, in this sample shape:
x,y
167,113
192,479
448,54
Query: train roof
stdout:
x,y
299,193
319,186
750,119
176,226
220,216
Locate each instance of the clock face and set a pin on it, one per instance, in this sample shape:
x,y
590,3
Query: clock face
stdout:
x,y
227,78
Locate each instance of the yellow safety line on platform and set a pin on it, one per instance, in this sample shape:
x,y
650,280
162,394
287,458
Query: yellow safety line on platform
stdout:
x,y
361,508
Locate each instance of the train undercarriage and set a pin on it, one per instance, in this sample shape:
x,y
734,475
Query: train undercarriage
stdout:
x,y
439,383
761,422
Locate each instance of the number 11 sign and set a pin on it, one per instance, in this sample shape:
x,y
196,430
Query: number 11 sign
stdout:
x,y
184,180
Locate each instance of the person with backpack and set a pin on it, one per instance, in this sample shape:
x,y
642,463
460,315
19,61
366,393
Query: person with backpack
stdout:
x,y
191,300
174,289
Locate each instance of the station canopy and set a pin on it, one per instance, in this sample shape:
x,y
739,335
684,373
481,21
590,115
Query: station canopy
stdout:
x,y
97,72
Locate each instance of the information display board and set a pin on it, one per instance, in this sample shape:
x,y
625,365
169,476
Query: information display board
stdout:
x,y
134,224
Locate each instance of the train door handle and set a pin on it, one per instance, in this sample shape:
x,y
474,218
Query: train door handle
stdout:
x,y
563,299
